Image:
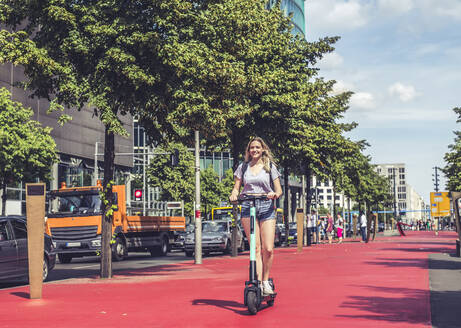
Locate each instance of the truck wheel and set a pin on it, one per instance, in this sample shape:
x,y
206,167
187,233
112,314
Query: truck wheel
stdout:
x,y
65,258
119,250
46,269
161,250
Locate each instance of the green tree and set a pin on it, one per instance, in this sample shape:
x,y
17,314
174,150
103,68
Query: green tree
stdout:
x,y
228,184
452,169
120,57
27,150
211,189
175,183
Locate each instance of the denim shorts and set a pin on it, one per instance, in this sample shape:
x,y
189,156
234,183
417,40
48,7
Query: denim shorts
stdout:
x,y
264,209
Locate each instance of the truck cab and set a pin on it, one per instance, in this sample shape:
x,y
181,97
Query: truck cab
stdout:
x,y
75,224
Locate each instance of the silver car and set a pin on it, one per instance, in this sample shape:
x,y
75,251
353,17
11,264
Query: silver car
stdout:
x,y
216,237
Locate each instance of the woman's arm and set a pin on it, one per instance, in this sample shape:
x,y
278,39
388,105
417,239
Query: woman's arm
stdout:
x,y
235,191
277,190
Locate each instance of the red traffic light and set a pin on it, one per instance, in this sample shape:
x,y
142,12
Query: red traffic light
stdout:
x,y
138,194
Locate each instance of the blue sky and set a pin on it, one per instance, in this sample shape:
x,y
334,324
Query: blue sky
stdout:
x,y
402,60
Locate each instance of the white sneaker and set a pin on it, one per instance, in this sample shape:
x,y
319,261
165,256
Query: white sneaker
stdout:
x,y
267,288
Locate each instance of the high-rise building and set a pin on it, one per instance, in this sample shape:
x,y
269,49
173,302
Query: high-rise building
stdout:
x,y
405,198
296,8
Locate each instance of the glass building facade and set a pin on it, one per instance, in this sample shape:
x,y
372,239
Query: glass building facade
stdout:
x,y
296,8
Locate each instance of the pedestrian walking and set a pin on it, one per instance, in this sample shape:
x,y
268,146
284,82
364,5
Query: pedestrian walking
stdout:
x,y
312,228
363,226
329,229
321,228
259,177
339,228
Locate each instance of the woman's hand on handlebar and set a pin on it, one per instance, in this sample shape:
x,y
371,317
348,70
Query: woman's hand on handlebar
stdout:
x,y
233,196
272,195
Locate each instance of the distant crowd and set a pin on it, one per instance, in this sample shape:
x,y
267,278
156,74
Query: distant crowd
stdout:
x,y
326,229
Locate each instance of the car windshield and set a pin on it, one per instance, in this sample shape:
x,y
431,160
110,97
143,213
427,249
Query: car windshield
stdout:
x,y
81,204
213,226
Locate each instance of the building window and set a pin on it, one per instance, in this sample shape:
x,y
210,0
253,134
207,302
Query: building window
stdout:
x,y
402,196
329,197
328,191
402,182
379,170
402,189
390,171
321,197
401,170
337,197
402,176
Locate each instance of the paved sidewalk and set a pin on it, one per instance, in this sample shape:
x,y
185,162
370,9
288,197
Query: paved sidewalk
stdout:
x,y
381,284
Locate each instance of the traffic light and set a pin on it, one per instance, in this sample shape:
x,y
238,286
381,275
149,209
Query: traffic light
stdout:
x,y
138,194
174,157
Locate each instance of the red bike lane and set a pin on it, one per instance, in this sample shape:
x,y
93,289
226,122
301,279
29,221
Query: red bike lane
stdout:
x,y
383,283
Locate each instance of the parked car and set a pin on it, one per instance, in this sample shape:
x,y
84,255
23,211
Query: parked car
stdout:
x,y
283,232
180,237
216,237
293,232
14,262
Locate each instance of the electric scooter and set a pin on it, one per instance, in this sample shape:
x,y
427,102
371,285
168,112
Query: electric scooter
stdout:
x,y
253,297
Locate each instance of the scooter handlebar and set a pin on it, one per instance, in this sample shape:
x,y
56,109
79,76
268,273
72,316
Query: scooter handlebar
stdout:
x,y
243,198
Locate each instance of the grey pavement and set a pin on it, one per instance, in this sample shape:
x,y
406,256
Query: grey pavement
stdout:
x,y
445,286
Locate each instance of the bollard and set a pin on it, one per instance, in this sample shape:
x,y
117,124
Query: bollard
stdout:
x,y
300,228
457,248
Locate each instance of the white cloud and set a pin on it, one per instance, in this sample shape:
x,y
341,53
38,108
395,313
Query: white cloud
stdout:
x,y
336,15
363,100
404,92
444,8
341,86
331,60
395,6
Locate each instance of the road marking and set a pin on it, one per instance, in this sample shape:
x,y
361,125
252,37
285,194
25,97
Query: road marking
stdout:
x,y
86,266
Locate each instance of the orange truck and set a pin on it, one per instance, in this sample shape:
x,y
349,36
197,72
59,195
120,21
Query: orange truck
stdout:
x,y
74,223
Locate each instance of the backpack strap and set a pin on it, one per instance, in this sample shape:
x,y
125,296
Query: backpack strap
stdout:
x,y
244,169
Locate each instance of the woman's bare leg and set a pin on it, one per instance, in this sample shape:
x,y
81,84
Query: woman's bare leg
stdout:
x,y
267,243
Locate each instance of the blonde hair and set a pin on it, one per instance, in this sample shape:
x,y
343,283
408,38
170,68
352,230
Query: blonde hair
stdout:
x,y
266,156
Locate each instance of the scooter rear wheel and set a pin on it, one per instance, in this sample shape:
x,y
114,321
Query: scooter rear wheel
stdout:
x,y
252,302
270,303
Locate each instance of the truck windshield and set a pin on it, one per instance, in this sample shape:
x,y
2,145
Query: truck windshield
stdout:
x,y
81,204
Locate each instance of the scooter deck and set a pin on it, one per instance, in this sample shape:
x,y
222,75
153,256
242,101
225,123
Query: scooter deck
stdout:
x,y
270,297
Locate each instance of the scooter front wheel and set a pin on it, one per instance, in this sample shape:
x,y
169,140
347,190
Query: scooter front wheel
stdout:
x,y
252,302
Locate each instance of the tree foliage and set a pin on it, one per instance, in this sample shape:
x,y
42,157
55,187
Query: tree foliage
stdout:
x,y
27,150
452,169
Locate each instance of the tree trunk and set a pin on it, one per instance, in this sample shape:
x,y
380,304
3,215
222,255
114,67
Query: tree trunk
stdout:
x,y
235,141
4,199
286,188
308,173
334,199
109,155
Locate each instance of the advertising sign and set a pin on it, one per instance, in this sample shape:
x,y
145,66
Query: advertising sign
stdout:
x,y
440,204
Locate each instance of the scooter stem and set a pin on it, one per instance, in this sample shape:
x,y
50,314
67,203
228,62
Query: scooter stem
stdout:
x,y
252,242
